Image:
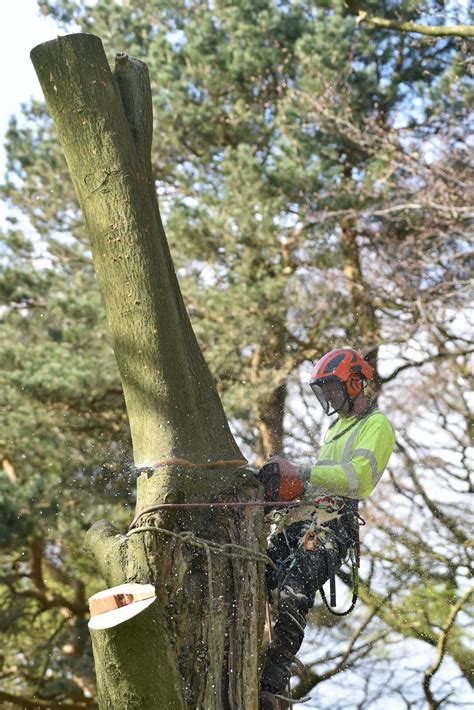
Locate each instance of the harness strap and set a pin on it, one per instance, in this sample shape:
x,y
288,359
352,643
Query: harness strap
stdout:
x,y
332,588
332,597
338,613
350,515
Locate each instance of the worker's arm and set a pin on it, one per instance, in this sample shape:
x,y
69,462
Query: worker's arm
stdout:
x,y
362,465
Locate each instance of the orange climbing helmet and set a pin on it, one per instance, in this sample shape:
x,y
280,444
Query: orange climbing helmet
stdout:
x,y
345,367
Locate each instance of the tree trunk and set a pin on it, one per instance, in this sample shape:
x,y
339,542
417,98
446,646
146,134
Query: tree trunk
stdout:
x,y
269,420
197,646
366,325
269,410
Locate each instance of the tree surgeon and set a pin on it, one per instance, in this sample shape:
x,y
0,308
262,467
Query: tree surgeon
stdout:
x,y
311,542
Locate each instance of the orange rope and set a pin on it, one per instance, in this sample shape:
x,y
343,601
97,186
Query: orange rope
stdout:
x,y
209,464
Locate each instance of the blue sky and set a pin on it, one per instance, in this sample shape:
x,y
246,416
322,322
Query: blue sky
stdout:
x,y
21,28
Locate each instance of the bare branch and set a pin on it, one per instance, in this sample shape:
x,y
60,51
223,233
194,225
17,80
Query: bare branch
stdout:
x,y
441,647
408,25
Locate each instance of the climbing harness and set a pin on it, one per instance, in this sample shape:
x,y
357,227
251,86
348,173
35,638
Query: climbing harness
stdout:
x,y
332,591
328,538
319,532
310,540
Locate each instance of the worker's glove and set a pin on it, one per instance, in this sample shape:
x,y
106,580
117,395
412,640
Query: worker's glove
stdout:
x,y
281,480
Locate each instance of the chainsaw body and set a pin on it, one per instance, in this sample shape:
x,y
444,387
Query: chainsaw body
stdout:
x,y
278,486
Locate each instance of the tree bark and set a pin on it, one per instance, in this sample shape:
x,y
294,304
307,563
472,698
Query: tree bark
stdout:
x,y
269,417
269,410
366,325
104,125
197,646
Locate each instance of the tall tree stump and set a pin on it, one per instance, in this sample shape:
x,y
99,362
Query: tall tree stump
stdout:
x,y
197,646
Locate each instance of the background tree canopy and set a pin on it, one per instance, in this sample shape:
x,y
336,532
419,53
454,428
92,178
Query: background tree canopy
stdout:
x,y
314,179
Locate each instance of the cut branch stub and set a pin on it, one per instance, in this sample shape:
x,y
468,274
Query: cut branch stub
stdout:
x,y
104,125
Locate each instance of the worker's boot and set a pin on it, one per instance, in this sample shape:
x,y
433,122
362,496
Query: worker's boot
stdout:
x,y
277,670
293,607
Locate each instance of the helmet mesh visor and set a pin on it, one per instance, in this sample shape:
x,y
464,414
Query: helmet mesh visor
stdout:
x,y
318,391
326,398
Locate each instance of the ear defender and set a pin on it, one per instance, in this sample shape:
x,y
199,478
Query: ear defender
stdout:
x,y
354,385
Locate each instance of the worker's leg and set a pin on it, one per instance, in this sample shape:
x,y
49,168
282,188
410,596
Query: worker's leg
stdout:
x,y
279,551
296,597
309,571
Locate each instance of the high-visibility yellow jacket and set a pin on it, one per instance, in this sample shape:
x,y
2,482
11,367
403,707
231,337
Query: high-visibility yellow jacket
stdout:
x,y
353,457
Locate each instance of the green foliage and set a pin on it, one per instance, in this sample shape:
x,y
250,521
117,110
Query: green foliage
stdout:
x,y
278,129
27,511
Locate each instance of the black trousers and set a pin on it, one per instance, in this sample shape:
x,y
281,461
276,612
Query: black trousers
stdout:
x,y
300,574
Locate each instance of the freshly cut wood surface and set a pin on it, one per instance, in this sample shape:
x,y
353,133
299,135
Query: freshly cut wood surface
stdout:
x,y
119,596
